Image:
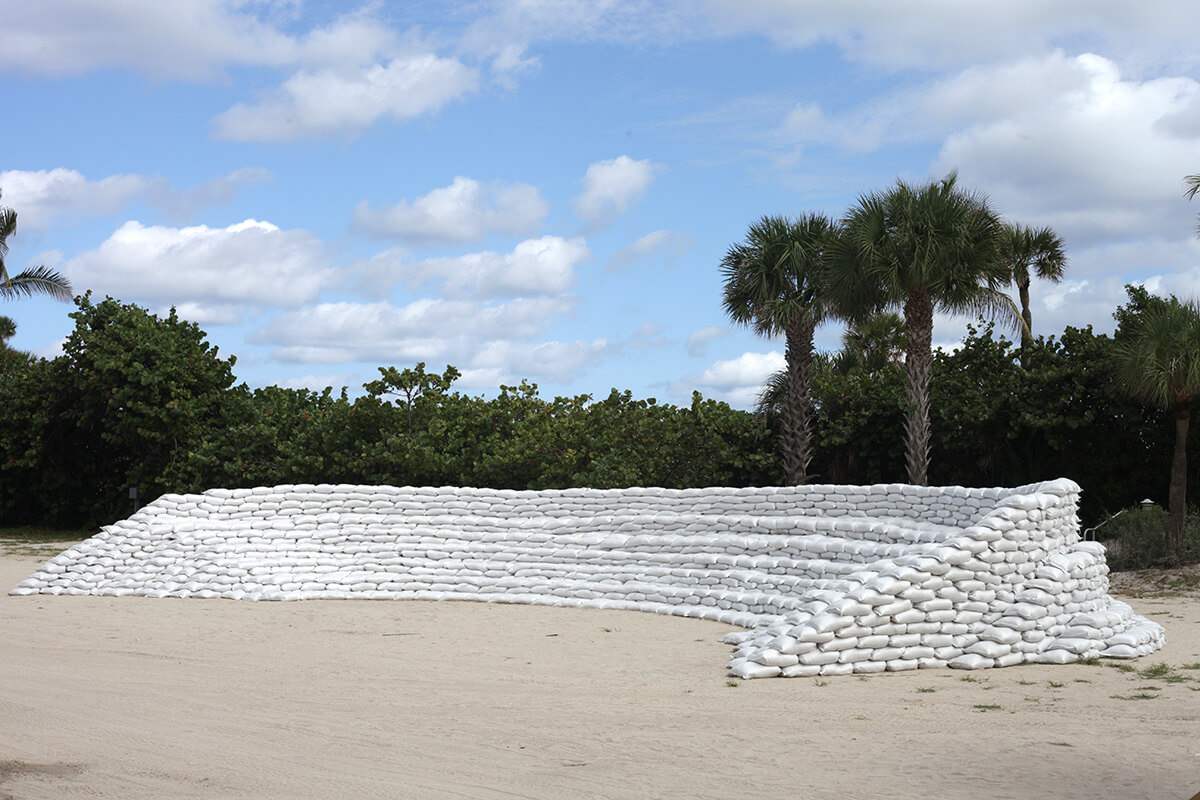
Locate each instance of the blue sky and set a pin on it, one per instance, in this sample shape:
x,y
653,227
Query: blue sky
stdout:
x,y
544,189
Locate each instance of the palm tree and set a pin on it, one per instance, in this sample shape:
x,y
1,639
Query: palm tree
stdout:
x,y
775,282
921,249
1041,250
34,280
1159,362
10,358
873,343
1193,186
869,345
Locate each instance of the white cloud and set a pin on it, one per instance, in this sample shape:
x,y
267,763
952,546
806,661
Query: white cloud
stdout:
x,y
1086,152
426,329
346,73
188,39
342,102
45,197
197,39
737,381
948,32
379,273
180,205
697,343
490,343
182,39
464,211
544,266
1057,140
746,369
1095,284
650,334
1184,284
205,313
1147,256
318,383
670,245
510,62
611,187
52,350
507,362
534,267
353,38
510,26
1168,268
251,263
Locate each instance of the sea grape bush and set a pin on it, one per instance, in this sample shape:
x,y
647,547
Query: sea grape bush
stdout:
x,y
141,400
131,393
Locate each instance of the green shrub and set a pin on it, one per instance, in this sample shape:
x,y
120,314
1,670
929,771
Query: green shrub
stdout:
x,y
1136,538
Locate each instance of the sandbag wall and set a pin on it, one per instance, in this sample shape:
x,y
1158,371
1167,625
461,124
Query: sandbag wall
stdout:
x,y
829,579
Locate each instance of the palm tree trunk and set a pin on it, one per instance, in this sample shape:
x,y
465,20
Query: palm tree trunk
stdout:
x,y
1027,330
1023,291
918,327
1177,494
797,404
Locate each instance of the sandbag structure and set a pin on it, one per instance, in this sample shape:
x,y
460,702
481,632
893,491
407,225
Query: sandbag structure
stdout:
x,y
825,580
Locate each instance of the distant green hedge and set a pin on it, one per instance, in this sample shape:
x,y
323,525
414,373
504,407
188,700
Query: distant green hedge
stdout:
x,y
141,400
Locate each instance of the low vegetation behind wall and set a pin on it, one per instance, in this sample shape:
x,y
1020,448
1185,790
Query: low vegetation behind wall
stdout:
x,y
142,401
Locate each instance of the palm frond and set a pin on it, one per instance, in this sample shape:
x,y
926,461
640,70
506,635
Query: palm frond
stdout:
x,y
771,397
36,280
1161,359
995,305
778,273
1193,184
1041,249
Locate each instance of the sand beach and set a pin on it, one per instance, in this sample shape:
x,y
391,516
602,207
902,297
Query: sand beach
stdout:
x,y
152,698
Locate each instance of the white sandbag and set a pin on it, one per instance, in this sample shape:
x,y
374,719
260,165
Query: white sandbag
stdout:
x,y
801,671
970,661
989,649
1054,657
773,658
747,669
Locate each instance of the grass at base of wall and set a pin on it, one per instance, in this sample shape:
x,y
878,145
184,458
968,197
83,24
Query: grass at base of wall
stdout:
x,y
39,542
34,534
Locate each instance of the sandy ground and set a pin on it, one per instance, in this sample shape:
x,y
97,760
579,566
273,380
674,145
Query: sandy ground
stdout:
x,y
140,698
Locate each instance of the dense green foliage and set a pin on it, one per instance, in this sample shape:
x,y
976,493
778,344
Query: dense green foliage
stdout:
x,y
136,400
1157,360
1136,538
920,249
10,358
139,400
130,394
998,423
776,282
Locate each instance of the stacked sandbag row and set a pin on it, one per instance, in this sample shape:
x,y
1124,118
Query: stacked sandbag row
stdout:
x,y
806,567
1017,586
334,541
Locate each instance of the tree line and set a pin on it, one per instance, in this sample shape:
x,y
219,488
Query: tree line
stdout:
x,y
919,249
139,400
